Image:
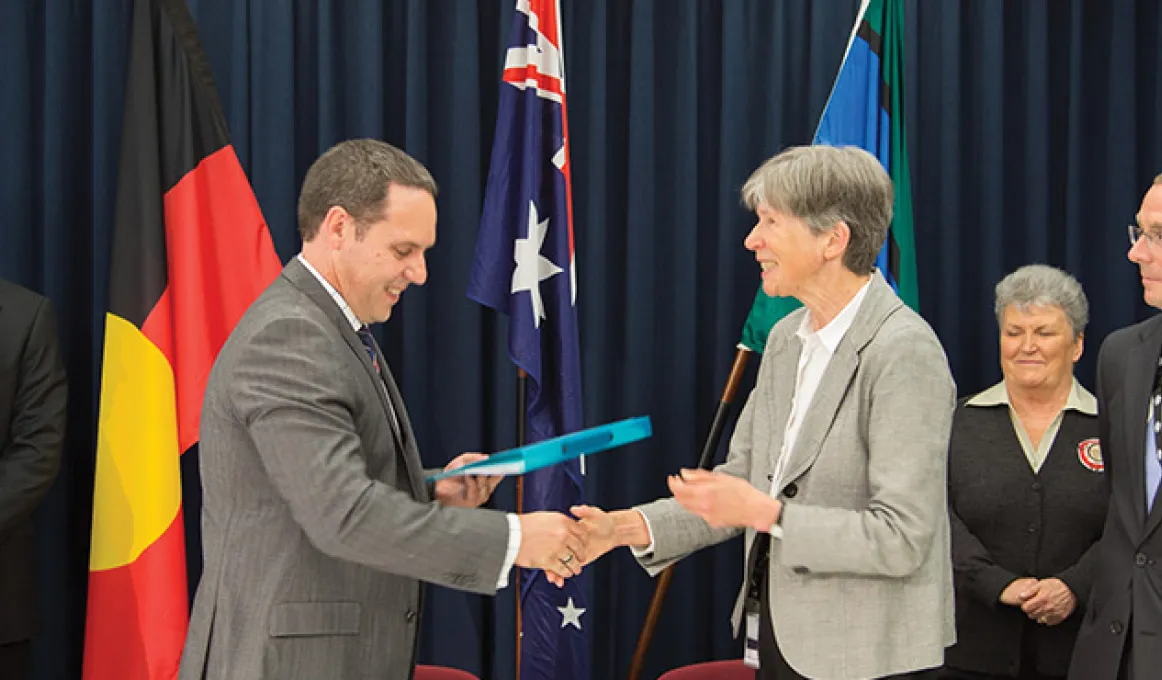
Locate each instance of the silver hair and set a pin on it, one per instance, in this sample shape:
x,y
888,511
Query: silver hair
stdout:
x,y
1039,285
824,185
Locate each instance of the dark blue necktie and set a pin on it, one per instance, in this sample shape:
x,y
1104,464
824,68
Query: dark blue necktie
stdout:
x,y
365,335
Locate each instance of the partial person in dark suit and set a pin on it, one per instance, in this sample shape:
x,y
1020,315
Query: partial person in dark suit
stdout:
x,y
318,527
1026,494
33,396
1121,635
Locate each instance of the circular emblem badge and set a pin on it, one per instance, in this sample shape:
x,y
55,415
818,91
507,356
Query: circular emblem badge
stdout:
x,y
1089,453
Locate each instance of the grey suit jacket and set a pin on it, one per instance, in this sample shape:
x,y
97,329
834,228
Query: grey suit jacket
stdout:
x,y
861,582
317,527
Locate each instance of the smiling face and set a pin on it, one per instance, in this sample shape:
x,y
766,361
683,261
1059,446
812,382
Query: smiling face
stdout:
x,y
371,266
1147,251
1038,348
789,253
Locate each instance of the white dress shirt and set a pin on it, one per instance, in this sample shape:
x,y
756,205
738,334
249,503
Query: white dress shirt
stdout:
x,y
818,348
514,533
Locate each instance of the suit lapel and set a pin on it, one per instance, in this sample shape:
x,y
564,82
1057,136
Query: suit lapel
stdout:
x,y
1140,367
821,412
878,304
305,281
402,428
1139,386
785,352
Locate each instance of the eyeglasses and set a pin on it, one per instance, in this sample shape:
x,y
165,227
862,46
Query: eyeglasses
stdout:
x,y
1152,238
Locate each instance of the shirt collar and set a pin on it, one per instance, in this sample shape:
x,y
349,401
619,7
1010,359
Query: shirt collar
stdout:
x,y
1080,399
833,332
356,324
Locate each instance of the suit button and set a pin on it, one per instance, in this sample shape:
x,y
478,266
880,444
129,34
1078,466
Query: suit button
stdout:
x,y
800,570
1036,486
410,615
1140,559
791,490
1032,528
1116,628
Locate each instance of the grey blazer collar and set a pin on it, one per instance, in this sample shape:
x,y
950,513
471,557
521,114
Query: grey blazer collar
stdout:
x,y
299,277
878,305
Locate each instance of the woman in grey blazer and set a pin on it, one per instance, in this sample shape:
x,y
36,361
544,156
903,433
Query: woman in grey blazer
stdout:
x,y
836,468
1027,498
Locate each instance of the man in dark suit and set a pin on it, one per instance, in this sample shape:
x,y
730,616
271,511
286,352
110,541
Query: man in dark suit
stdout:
x,y
1121,636
32,428
317,525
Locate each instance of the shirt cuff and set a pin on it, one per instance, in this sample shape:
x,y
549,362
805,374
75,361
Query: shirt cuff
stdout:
x,y
513,549
776,530
649,549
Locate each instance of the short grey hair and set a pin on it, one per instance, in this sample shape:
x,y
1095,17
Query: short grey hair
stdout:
x,y
355,175
1039,285
823,185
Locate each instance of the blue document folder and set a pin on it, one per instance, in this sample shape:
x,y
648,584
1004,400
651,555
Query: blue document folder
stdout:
x,y
556,450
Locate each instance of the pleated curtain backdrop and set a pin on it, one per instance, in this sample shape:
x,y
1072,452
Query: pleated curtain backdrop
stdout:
x,y
1033,132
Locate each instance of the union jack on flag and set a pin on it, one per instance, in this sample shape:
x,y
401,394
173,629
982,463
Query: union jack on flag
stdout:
x,y
525,268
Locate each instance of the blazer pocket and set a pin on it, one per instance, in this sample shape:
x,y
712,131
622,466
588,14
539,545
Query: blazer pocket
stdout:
x,y
300,619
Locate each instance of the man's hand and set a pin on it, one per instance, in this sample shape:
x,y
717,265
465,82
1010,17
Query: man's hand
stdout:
x,y
724,500
468,491
1014,593
1049,602
553,542
609,530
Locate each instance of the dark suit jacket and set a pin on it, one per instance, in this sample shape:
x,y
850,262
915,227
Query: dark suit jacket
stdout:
x,y
317,526
1009,522
32,427
1127,584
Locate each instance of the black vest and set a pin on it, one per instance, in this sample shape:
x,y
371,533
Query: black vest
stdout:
x,y
1009,522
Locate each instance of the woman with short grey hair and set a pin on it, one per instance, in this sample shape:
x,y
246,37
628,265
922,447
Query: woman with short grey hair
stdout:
x,y
1026,497
836,467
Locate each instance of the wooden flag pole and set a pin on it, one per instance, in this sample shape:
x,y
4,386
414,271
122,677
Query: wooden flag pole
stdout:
x,y
705,461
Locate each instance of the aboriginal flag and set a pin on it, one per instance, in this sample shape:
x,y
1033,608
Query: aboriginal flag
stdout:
x,y
190,252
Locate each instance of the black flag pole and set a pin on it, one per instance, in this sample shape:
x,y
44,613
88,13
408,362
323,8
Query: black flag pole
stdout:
x,y
522,379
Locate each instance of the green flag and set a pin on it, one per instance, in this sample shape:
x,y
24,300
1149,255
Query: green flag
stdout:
x,y
866,109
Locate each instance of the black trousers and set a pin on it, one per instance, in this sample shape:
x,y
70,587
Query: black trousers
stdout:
x,y
773,666
16,660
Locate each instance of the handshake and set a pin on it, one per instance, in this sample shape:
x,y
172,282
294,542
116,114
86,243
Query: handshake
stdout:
x,y
561,545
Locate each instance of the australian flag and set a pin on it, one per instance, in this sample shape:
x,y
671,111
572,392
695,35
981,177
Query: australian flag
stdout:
x,y
525,268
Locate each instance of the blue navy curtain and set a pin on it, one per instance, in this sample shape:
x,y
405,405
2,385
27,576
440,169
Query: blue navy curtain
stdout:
x,y
1033,130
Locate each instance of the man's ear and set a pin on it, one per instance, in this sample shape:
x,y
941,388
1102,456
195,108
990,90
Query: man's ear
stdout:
x,y
334,226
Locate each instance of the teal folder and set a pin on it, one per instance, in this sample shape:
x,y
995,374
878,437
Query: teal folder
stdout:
x,y
556,450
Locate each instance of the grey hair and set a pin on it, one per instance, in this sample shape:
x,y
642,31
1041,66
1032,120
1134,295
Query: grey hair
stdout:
x,y
824,185
355,175
1039,285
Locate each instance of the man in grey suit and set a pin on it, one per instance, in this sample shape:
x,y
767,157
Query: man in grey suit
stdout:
x,y
1119,636
836,469
317,526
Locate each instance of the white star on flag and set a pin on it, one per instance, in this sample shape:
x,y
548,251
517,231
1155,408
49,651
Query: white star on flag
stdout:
x,y
570,614
531,266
